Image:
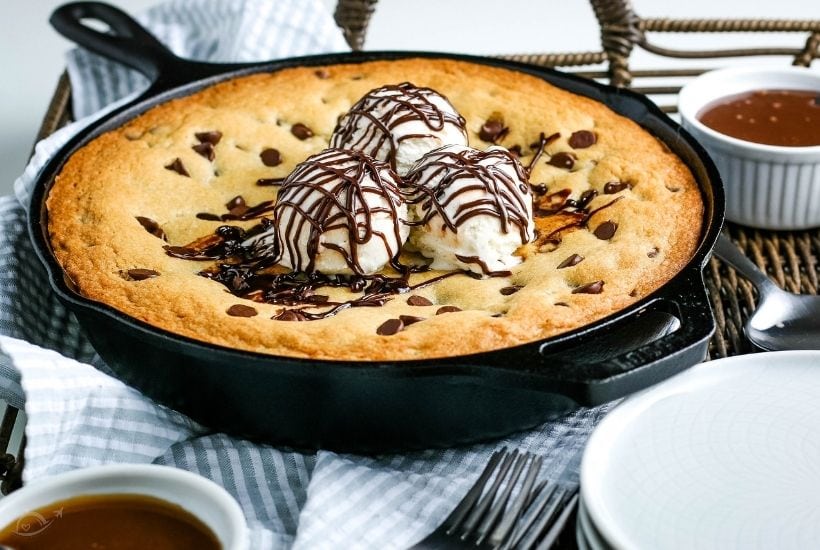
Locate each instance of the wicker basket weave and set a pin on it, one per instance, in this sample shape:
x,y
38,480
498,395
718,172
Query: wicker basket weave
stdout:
x,y
789,257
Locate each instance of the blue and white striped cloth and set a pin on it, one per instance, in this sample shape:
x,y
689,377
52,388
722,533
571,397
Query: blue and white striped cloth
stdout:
x,y
79,416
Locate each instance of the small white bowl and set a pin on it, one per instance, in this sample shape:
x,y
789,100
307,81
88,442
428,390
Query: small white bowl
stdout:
x,y
203,498
767,186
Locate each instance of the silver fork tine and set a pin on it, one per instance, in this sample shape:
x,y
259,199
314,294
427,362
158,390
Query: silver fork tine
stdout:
x,y
485,502
543,520
530,515
520,503
500,504
457,516
557,527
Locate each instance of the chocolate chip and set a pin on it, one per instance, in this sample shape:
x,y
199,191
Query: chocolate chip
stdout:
x,y
515,150
390,327
582,139
410,319
586,198
539,188
673,189
240,310
590,288
616,187
416,300
301,131
269,181
633,293
208,216
289,315
493,130
271,157
206,150
447,309
322,73
141,274
562,304
508,290
152,227
575,259
178,167
236,206
654,252
209,137
606,230
562,160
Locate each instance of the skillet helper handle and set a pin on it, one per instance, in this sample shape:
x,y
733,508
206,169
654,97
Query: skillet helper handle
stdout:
x,y
661,358
127,41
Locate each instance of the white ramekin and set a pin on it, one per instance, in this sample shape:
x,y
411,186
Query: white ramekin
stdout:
x,y
203,498
767,186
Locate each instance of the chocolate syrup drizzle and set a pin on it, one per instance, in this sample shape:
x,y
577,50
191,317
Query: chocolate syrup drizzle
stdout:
x,y
382,110
502,196
248,275
332,190
560,203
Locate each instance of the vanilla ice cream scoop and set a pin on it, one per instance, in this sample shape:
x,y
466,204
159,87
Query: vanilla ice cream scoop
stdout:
x,y
470,209
399,124
338,212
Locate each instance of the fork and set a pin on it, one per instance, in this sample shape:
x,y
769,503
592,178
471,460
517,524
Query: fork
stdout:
x,y
534,519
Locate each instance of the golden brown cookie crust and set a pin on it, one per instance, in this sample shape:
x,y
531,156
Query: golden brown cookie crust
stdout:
x,y
104,186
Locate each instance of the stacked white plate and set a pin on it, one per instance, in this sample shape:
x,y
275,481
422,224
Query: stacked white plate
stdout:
x,y
725,455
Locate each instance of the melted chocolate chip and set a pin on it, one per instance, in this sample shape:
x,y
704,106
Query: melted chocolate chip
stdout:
x,y
515,150
633,293
301,131
410,319
209,137
271,157
152,227
141,274
562,160
270,181
606,230
447,309
208,216
390,327
322,73
205,149
654,252
590,288
240,310
539,188
562,304
575,259
616,187
178,167
508,290
290,315
493,130
582,139
416,300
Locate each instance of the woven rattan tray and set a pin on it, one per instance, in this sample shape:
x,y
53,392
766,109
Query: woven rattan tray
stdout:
x,y
790,257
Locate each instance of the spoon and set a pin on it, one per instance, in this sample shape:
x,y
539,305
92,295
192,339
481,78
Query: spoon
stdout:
x,y
782,320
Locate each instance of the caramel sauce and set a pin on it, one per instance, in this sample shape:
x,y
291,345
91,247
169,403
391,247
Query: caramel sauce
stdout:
x,y
113,522
771,117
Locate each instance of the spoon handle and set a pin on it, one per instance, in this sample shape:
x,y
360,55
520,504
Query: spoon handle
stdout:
x,y
728,252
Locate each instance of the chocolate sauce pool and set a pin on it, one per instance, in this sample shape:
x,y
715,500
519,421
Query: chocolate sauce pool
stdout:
x,y
772,117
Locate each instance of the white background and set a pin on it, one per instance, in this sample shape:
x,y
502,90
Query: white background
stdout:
x,y
31,53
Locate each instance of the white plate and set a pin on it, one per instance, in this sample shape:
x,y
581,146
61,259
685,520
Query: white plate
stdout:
x,y
725,455
591,537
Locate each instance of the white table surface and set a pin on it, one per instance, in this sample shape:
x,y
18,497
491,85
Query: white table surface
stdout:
x,y
31,53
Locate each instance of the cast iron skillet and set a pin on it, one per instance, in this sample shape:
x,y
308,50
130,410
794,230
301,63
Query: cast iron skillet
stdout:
x,y
389,405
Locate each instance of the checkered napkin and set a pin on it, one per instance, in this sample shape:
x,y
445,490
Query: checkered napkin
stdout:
x,y
80,416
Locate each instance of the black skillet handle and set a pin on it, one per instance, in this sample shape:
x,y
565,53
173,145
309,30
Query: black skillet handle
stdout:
x,y
127,42
663,357
599,371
